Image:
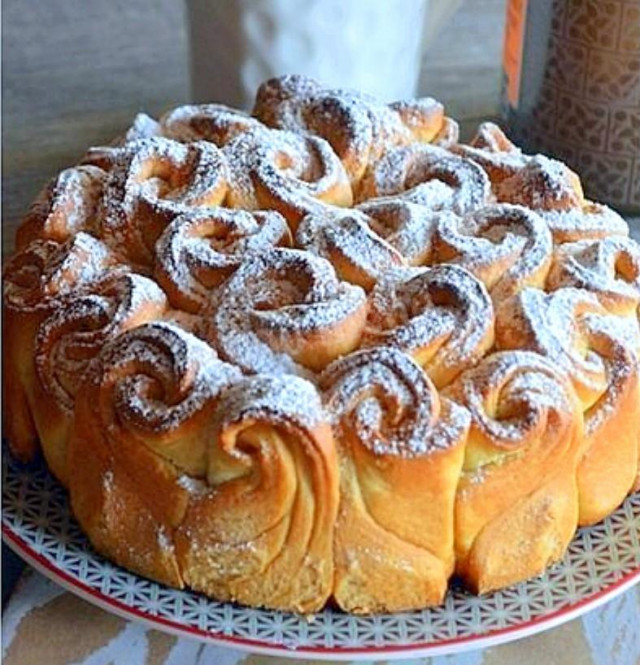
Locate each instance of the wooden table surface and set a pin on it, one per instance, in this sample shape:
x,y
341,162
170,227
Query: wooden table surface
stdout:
x,y
74,75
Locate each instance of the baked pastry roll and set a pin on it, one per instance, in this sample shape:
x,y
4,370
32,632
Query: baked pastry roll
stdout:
x,y
516,507
401,448
608,268
427,175
571,328
154,181
38,282
143,420
199,250
286,172
186,473
507,247
66,205
358,127
441,316
262,531
285,310
358,254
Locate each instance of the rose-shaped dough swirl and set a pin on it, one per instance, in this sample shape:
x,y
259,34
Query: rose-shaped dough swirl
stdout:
x,y
572,329
153,181
202,248
507,247
407,227
429,176
441,316
282,171
610,268
66,205
40,279
70,338
359,128
357,253
206,122
517,502
491,149
263,533
401,448
285,310
141,439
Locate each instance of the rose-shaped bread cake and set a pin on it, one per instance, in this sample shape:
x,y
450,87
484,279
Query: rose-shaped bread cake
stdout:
x,y
324,353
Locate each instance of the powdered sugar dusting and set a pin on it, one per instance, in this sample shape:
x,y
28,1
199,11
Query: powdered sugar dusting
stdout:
x,y
443,316
200,249
262,316
390,403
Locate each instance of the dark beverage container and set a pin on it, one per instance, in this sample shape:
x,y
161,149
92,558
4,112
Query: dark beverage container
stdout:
x,y
572,90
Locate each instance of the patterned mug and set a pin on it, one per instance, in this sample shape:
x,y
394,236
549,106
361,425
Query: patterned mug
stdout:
x,y
572,88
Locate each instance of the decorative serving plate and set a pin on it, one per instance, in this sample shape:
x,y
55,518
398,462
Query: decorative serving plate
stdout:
x,y
601,562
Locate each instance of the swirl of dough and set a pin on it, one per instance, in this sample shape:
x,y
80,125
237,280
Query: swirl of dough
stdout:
x,y
71,337
610,268
279,170
206,122
441,316
408,227
66,205
263,533
575,332
46,269
358,127
358,254
41,278
401,448
541,184
201,249
491,149
284,311
516,505
588,221
141,437
153,181
505,246
429,176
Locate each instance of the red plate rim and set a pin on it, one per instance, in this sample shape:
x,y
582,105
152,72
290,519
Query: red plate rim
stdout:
x,y
442,647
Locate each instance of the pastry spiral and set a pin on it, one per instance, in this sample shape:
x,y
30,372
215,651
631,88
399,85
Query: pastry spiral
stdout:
x,y
442,316
359,128
575,332
66,205
401,448
507,247
284,311
263,533
408,227
517,502
201,249
37,281
206,122
609,268
70,338
143,423
429,176
156,180
359,255
493,151
282,171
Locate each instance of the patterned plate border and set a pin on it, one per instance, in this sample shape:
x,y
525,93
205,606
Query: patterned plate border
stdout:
x,y
601,562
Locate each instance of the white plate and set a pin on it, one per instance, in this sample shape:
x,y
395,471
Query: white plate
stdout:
x,y
601,562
